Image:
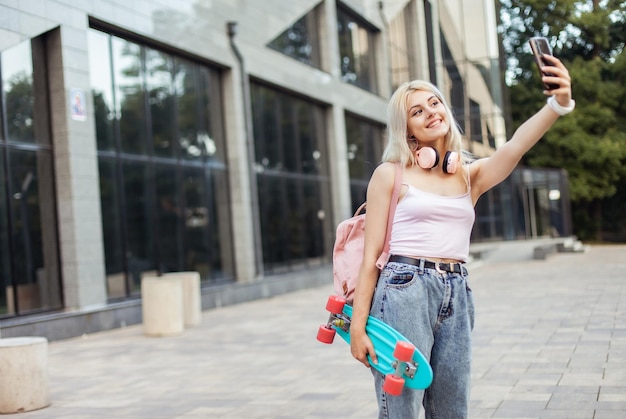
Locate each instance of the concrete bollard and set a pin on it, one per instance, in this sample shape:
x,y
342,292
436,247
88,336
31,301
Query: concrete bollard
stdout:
x,y
23,374
192,302
162,306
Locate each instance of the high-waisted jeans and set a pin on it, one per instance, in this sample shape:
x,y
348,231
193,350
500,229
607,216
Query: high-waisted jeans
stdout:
x,y
435,311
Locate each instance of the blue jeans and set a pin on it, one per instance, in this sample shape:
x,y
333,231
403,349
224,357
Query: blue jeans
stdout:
x,y
435,311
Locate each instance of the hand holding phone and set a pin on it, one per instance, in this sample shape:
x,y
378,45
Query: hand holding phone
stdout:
x,y
540,47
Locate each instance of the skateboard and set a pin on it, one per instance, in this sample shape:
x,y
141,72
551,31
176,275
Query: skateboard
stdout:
x,y
398,359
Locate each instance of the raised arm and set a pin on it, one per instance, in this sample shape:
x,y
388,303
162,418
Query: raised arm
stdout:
x,y
488,172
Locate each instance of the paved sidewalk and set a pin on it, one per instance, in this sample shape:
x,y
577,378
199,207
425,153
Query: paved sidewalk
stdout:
x,y
549,342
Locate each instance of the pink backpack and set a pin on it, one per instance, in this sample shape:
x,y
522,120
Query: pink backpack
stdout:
x,y
350,241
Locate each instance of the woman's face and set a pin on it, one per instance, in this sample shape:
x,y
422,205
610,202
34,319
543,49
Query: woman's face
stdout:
x,y
427,119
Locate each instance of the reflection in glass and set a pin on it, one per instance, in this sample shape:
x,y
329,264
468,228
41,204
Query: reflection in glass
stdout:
x,y
129,95
111,228
139,222
475,120
5,267
17,85
300,40
159,84
399,31
356,51
292,179
33,232
365,148
209,115
187,92
102,89
162,210
201,234
170,216
29,260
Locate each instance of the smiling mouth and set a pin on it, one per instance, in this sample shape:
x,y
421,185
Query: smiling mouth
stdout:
x,y
434,123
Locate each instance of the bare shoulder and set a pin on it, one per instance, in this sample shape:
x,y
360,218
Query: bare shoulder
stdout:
x,y
385,172
386,168
383,177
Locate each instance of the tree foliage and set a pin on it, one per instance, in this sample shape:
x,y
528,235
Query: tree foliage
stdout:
x,y
589,37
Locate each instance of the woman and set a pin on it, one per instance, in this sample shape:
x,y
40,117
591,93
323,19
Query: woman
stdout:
x,y
423,291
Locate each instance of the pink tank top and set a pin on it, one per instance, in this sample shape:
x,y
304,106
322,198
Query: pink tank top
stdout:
x,y
431,225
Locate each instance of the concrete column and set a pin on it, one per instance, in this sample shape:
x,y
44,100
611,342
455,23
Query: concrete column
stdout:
x,y
76,169
162,306
192,303
24,374
239,178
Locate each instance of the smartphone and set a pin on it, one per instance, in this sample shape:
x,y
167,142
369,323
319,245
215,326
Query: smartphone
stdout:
x,y
540,46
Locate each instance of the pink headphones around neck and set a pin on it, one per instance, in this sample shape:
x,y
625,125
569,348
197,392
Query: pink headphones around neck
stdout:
x,y
428,157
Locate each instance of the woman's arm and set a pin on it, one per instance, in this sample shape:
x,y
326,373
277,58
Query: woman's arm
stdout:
x,y
379,193
488,172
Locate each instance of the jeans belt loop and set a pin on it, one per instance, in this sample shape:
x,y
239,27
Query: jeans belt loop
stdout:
x,y
421,265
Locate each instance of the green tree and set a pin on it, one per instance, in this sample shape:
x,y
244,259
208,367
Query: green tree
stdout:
x,y
589,37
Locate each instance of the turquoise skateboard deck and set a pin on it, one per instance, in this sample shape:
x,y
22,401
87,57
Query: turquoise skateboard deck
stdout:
x,y
398,359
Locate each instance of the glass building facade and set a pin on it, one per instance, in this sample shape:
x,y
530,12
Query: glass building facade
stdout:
x,y
162,164
29,258
176,137
291,165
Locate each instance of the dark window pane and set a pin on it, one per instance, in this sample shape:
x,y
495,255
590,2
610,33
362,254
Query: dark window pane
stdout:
x,y
294,223
170,216
34,231
476,129
29,260
272,215
17,78
365,147
187,98
400,32
102,89
312,149
160,98
313,195
457,90
210,120
356,51
201,231
110,204
292,179
5,255
139,221
300,41
162,208
129,96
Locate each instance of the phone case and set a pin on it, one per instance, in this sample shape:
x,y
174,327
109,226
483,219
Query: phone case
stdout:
x,y
540,47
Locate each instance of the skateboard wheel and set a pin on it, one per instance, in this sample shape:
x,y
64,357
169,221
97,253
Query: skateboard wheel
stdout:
x,y
393,385
326,334
404,351
335,304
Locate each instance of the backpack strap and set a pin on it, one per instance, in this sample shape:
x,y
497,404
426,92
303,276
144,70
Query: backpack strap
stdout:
x,y
384,257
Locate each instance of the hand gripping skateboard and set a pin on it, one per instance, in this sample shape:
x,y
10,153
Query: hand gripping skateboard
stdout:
x,y
398,359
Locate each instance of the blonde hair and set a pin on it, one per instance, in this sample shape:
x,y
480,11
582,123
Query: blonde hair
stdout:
x,y
398,148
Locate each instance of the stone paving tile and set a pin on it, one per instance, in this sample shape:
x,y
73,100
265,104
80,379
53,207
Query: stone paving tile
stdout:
x,y
549,342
